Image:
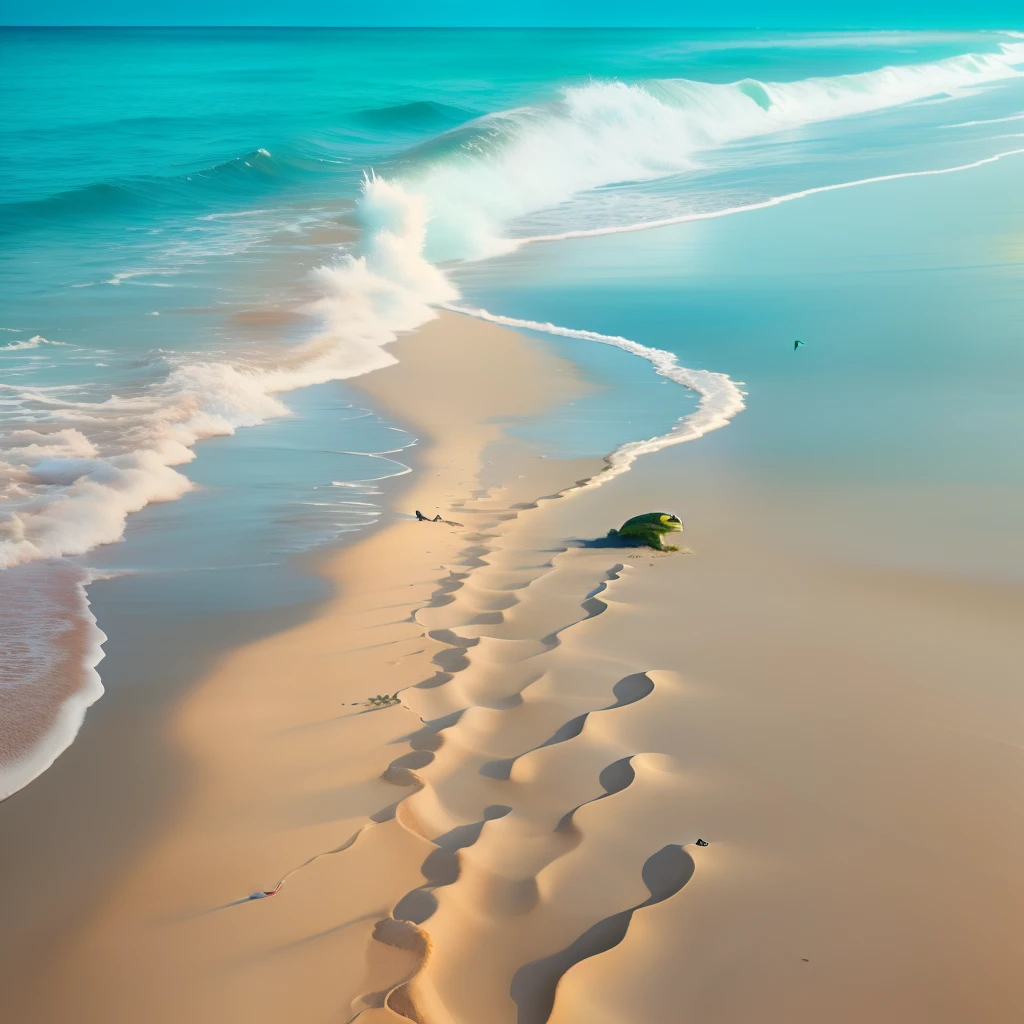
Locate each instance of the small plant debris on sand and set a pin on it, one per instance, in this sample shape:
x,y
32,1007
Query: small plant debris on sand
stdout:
x,y
381,700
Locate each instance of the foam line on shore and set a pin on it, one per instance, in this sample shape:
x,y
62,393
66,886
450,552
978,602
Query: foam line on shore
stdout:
x,y
720,396
686,218
987,120
38,636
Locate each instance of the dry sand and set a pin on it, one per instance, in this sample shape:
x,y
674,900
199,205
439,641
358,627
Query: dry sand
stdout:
x,y
515,841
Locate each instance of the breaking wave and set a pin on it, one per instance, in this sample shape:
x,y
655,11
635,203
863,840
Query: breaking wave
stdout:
x,y
533,158
73,470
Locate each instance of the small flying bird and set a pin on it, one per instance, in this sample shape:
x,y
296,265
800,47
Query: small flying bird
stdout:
x,y
797,344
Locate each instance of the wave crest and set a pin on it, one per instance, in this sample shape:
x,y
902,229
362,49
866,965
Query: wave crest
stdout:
x,y
72,482
507,165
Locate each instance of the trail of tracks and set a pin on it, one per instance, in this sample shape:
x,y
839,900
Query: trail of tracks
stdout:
x,y
518,780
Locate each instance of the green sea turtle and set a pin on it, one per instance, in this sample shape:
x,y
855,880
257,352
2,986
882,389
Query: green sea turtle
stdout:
x,y
649,529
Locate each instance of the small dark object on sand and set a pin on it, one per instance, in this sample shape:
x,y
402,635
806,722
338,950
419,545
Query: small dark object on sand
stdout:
x,y
437,519
264,893
701,842
381,700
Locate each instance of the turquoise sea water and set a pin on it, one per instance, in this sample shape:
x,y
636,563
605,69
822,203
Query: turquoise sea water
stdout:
x,y
206,232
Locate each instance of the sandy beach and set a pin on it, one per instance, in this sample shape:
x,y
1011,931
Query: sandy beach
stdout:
x,y
273,765
331,361
515,838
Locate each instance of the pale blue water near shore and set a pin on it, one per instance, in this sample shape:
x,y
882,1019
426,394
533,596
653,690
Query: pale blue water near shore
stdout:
x,y
191,250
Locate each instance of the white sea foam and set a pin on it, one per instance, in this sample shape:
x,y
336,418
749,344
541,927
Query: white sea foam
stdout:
x,y
720,397
46,619
34,342
236,214
685,218
71,483
72,470
603,133
130,275
988,120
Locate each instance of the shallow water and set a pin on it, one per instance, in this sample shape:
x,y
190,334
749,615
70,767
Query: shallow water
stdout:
x,y
191,251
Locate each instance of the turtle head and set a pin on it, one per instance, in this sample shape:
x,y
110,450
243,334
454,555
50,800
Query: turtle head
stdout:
x,y
670,522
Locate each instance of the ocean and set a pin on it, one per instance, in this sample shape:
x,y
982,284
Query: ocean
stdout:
x,y
208,232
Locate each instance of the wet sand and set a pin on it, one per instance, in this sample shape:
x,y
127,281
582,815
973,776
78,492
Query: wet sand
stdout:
x,y
50,649
266,762
516,840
